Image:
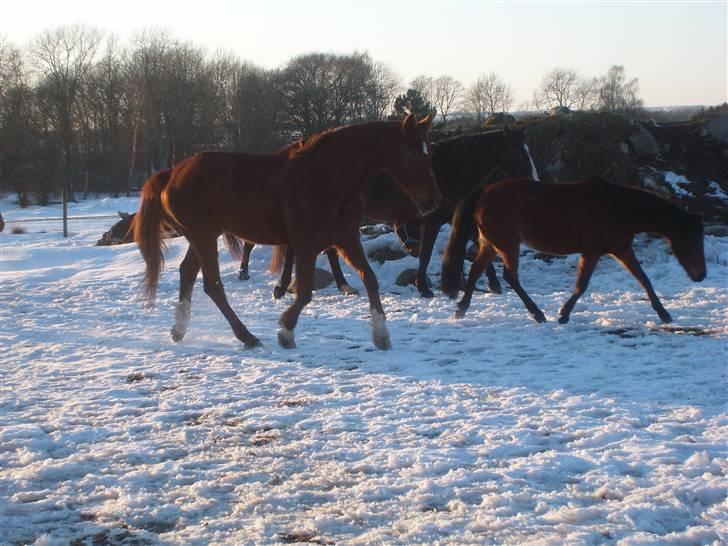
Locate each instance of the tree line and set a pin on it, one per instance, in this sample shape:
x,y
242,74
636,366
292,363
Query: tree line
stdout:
x,y
82,112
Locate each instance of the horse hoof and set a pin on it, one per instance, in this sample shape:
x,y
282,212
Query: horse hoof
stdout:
x,y
539,317
252,343
243,276
665,317
460,313
564,319
348,290
382,342
177,334
427,293
495,288
278,292
285,339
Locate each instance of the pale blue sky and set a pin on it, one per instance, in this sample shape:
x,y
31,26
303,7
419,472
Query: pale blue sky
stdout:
x,y
679,50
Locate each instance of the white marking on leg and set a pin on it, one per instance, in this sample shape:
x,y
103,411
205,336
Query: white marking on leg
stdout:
x,y
534,172
379,330
182,314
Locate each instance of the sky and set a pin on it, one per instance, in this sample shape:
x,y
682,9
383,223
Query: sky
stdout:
x,y
678,50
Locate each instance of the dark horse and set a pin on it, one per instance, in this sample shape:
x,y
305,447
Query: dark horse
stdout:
x,y
306,196
590,217
460,164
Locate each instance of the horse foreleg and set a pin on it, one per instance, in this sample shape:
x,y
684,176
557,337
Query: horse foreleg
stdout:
x,y
627,258
486,253
206,249
354,254
510,274
338,274
245,261
188,270
428,234
285,281
583,274
305,262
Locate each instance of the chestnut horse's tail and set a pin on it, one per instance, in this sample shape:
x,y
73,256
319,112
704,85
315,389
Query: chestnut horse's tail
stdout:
x,y
148,225
234,245
454,255
277,259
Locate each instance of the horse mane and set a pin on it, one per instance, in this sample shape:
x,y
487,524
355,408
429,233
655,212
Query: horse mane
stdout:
x,y
306,146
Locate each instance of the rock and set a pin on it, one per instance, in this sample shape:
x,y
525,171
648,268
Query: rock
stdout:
x,y
716,230
321,279
559,111
718,128
386,254
408,277
501,118
643,143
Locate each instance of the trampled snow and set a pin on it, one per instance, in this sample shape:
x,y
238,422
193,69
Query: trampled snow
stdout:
x,y
487,430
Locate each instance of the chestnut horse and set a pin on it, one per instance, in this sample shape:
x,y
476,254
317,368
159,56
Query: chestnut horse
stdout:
x,y
460,164
307,196
590,217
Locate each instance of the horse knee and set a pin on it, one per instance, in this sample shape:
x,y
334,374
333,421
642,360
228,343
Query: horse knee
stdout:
x,y
213,289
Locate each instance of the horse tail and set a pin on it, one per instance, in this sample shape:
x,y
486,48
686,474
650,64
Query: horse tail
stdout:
x,y
454,255
148,224
277,259
234,245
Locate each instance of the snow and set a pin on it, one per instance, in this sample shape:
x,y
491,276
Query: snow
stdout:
x,y
488,430
675,181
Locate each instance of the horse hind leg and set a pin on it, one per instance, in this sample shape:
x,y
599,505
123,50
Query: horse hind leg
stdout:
x,y
510,274
206,249
188,270
243,274
338,274
284,282
482,261
305,262
583,275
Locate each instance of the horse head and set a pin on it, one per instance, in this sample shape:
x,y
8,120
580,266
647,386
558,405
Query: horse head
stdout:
x,y
515,158
410,164
687,245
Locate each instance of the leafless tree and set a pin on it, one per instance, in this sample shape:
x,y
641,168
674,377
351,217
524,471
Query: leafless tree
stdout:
x,y
447,92
488,95
564,87
616,94
65,56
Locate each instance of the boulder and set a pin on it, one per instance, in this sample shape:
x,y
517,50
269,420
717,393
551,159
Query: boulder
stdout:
x,y
501,118
386,254
408,276
559,111
718,128
321,279
643,143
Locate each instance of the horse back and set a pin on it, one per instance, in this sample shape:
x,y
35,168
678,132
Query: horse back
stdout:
x,y
554,218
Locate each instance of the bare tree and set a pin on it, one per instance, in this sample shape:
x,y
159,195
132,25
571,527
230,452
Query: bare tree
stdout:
x,y
563,87
66,55
488,95
616,94
447,92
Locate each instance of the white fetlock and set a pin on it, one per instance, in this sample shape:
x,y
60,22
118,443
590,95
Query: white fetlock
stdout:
x,y
182,314
380,334
286,338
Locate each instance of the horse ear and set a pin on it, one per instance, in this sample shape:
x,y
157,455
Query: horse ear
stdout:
x,y
408,123
426,122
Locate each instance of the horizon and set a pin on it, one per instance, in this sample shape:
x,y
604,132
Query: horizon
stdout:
x,y
591,37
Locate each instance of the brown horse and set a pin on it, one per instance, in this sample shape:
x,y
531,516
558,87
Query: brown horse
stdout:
x,y
307,197
590,217
460,164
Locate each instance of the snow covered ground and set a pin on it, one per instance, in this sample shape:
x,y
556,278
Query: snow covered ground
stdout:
x,y
488,430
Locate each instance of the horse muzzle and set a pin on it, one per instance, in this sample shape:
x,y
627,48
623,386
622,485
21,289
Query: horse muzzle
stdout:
x,y
698,276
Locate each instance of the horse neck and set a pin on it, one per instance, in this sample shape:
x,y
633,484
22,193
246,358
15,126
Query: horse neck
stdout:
x,y
480,157
650,213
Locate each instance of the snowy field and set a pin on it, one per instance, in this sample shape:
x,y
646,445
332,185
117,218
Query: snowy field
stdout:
x,y
488,430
